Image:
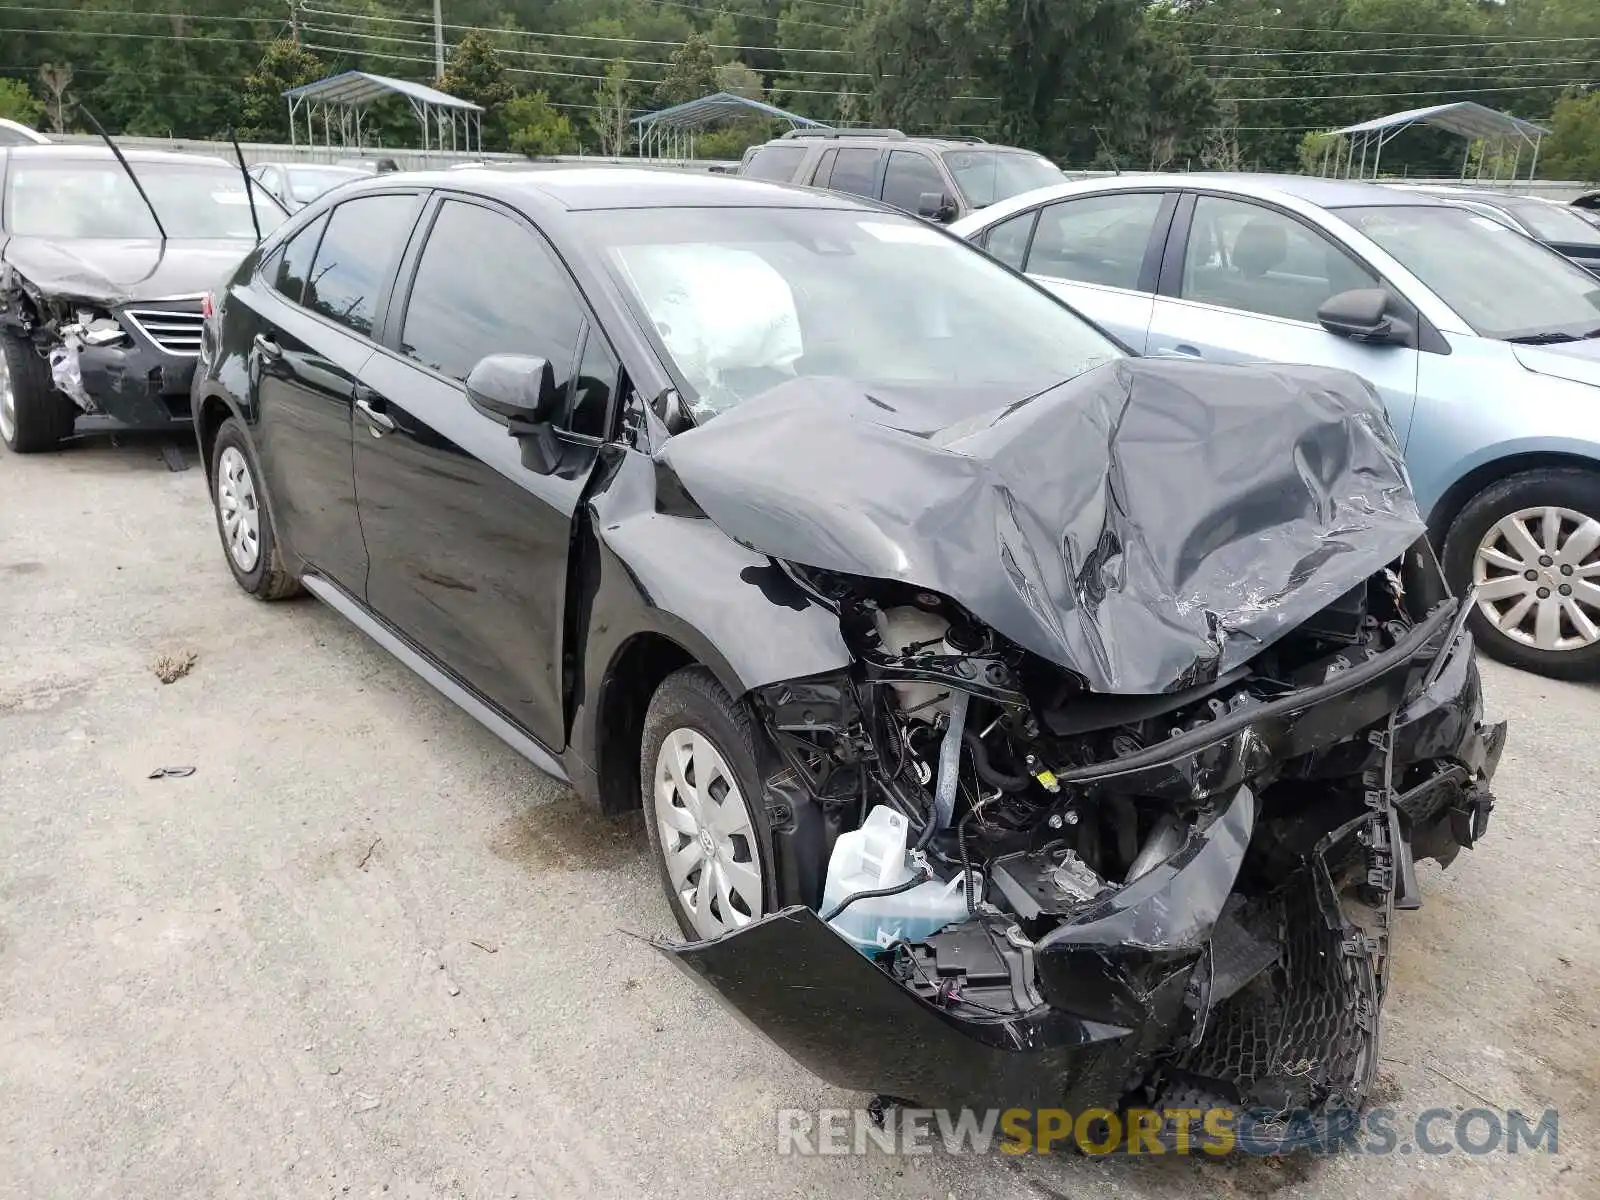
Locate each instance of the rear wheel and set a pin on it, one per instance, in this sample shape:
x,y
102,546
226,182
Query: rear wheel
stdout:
x,y
33,415
244,521
1530,544
703,806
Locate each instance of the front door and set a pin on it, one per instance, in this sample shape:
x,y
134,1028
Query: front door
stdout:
x,y
1246,287
468,547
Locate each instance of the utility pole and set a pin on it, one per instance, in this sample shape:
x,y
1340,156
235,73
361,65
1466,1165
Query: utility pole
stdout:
x,y
438,39
294,21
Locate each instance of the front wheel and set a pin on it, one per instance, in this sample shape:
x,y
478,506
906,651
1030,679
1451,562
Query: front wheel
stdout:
x,y
703,806
1530,544
34,416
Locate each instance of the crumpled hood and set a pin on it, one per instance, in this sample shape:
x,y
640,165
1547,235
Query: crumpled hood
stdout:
x,y
116,270
1147,525
1577,361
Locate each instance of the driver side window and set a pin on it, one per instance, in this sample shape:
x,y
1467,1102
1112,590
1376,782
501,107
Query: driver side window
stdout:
x,y
1258,260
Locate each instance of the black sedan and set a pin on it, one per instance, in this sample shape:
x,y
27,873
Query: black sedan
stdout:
x,y
1014,721
99,299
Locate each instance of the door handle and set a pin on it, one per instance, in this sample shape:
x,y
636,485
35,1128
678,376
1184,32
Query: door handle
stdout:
x,y
380,422
268,347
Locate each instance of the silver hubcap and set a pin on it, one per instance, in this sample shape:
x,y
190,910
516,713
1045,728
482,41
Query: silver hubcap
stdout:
x,y
8,401
706,835
1536,573
236,501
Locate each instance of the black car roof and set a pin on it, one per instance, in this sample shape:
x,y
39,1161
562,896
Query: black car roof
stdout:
x,y
580,188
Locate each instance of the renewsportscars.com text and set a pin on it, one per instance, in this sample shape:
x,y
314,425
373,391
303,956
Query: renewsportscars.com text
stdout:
x,y
1215,1132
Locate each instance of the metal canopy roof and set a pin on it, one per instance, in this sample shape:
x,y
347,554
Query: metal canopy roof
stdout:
x,y
1464,117
720,106
358,87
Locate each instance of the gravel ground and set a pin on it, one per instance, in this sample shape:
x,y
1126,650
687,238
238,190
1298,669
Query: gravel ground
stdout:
x,y
366,950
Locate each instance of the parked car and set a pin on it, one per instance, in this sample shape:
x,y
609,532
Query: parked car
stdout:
x,y
15,133
940,178
1560,226
1481,343
295,185
99,312
885,585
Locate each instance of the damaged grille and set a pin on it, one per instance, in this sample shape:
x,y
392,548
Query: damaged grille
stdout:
x,y
175,332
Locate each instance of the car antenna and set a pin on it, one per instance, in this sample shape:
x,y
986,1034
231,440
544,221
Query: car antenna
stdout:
x,y
122,158
250,192
1115,169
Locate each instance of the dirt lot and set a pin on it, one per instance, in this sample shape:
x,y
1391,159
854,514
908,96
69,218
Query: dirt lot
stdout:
x,y
365,950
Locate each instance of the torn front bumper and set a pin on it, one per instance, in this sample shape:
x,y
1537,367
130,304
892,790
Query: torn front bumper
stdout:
x,y
1157,974
143,380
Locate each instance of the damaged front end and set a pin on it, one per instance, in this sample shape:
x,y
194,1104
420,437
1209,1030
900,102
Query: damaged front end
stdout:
x,y
1008,884
126,362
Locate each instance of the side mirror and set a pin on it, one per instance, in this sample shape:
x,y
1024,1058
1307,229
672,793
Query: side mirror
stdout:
x,y
1361,316
521,391
936,206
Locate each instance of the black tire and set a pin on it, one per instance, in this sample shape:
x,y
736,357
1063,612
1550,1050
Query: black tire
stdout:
x,y
44,417
693,699
1565,487
269,578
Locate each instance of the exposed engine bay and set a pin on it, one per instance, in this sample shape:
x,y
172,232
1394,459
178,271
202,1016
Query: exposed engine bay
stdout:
x,y
1010,881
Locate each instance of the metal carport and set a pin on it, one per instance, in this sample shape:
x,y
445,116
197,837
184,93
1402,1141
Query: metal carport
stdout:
x,y
1473,121
342,99
670,132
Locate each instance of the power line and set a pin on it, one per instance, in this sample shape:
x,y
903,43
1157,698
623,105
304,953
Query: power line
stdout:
x,y
1269,77
1530,87
159,37
1331,32
1451,47
573,37
640,62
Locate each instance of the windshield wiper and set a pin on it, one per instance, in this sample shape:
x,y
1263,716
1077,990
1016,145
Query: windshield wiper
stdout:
x,y
1545,339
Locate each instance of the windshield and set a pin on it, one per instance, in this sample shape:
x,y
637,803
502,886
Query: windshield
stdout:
x,y
986,176
1554,222
1500,283
306,184
743,300
91,198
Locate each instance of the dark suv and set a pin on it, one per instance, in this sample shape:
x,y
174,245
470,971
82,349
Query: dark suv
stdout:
x,y
941,178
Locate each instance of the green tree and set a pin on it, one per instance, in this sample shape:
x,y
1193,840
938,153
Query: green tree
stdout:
x,y
264,114
1572,150
536,127
612,111
691,73
17,103
474,72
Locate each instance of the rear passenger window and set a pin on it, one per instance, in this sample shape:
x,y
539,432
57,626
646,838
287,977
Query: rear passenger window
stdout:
x,y
824,168
364,240
1008,241
1095,239
486,285
908,178
774,162
290,269
856,171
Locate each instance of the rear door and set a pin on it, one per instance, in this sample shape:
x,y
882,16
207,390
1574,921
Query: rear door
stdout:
x,y
469,547
315,333
1100,252
1242,282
